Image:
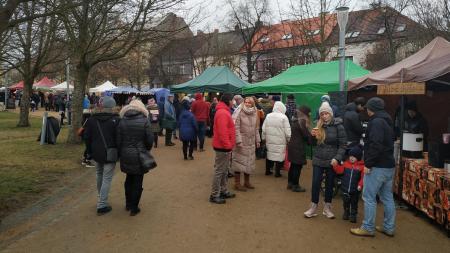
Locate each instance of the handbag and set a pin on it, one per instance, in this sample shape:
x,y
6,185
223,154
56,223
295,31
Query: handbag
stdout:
x,y
80,130
111,153
147,161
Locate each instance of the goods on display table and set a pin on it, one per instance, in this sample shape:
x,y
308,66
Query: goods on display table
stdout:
x,y
427,189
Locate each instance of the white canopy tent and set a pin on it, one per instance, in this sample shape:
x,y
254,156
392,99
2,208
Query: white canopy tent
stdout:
x,y
62,87
102,88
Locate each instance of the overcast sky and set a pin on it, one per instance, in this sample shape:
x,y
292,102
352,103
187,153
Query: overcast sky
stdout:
x,y
213,13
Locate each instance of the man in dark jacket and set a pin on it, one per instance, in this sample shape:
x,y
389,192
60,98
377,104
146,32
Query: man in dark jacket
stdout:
x,y
379,170
223,142
100,133
352,122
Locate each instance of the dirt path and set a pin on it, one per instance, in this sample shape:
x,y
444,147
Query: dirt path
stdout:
x,y
177,217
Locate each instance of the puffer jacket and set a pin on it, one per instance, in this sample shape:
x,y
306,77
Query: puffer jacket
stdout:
x,y
187,125
108,123
353,176
276,131
300,136
133,136
200,108
334,145
352,124
379,141
224,137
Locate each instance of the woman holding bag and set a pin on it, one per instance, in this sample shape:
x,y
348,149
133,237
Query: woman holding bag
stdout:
x,y
134,140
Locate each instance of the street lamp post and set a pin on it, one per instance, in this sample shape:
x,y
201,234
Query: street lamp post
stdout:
x,y
342,18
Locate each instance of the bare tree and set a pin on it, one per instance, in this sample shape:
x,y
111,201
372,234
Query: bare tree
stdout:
x,y
434,16
100,31
31,48
248,18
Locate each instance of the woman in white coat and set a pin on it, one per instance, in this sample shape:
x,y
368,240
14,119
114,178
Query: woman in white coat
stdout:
x,y
276,131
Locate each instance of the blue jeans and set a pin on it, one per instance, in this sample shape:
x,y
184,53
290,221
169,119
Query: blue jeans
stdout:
x,y
105,173
317,182
201,133
379,181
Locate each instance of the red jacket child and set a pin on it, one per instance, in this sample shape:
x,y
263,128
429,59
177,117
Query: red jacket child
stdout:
x,y
353,175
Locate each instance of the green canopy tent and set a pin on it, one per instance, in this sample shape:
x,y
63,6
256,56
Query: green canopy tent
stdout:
x,y
213,79
307,82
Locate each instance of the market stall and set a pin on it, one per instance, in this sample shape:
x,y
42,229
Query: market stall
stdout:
x,y
213,79
103,87
62,87
307,82
422,178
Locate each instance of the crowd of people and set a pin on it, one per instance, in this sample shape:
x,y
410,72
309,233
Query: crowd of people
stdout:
x,y
247,129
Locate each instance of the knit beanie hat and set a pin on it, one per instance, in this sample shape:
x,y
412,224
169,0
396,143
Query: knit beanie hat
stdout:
x,y
325,98
325,107
375,104
108,102
356,151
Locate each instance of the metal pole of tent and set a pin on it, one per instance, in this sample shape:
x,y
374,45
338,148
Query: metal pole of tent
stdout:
x,y
44,128
68,88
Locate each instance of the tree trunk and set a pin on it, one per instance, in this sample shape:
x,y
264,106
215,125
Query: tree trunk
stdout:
x,y
81,78
249,66
25,104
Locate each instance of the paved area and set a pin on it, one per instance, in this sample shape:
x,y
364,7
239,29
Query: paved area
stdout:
x,y
177,217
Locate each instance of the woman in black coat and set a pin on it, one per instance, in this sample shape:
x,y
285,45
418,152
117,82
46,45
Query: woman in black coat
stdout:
x,y
296,149
134,136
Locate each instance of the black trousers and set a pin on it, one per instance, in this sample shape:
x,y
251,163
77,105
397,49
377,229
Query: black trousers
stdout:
x,y
188,145
351,202
269,166
133,191
294,174
155,139
168,136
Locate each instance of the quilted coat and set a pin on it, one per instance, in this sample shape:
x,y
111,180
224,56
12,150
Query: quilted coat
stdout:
x,y
276,131
247,136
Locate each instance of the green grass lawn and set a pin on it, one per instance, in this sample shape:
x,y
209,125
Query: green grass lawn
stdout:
x,y
28,170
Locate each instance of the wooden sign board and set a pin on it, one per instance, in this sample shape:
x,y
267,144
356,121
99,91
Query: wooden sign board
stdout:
x,y
401,89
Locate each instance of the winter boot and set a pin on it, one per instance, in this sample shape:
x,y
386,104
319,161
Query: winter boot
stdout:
x,y
312,211
247,181
346,214
237,182
277,172
353,215
327,211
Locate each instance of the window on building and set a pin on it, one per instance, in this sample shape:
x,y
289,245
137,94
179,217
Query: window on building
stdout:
x,y
264,39
355,34
313,32
286,63
400,28
182,69
267,64
287,36
381,30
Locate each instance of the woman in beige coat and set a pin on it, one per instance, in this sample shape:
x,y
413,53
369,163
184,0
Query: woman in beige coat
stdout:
x,y
247,140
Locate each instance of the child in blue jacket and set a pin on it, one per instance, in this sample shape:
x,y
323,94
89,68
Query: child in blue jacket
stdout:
x,y
188,130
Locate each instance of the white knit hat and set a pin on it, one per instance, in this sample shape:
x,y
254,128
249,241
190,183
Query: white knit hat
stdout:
x,y
325,107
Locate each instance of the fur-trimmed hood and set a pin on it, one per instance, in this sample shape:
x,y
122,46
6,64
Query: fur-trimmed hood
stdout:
x,y
135,105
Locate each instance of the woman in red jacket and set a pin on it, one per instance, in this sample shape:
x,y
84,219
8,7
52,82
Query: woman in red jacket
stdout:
x,y
223,143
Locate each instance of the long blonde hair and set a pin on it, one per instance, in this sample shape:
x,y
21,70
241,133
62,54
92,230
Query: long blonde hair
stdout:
x,y
321,135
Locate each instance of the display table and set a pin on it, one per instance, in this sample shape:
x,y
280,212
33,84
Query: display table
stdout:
x,y
426,188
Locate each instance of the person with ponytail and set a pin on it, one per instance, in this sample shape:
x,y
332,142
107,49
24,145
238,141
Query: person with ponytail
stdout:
x,y
331,140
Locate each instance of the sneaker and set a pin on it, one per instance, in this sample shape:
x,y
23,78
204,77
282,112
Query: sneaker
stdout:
x,y
361,232
83,162
89,164
227,195
327,211
381,230
216,200
312,211
104,210
298,188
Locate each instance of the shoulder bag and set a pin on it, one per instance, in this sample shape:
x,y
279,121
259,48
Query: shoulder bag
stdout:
x,y
111,153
